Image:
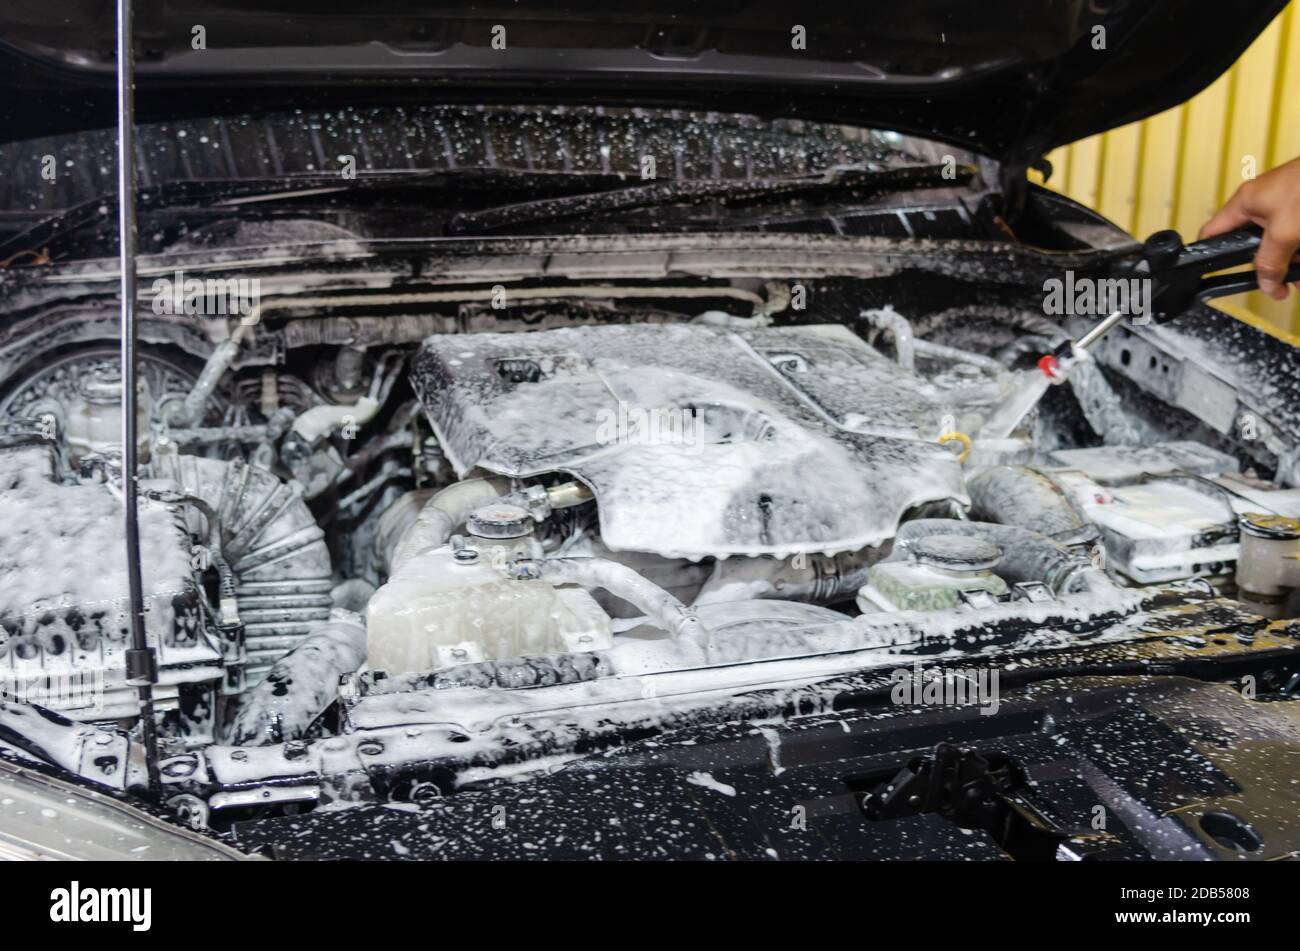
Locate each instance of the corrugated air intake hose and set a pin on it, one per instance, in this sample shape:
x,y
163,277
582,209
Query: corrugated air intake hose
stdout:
x,y
272,543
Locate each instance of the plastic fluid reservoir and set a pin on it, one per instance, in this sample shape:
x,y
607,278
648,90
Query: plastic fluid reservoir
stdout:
x,y
1268,568
444,608
938,570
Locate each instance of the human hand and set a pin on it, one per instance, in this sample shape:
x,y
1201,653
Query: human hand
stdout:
x,y
1271,201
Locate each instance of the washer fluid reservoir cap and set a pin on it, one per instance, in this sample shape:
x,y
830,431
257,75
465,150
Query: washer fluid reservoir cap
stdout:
x,y
956,552
1263,525
499,520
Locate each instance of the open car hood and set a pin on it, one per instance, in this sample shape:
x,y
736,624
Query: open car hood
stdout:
x,y
1009,78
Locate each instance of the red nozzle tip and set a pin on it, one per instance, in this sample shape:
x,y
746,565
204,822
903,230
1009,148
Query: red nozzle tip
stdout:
x,y
1049,365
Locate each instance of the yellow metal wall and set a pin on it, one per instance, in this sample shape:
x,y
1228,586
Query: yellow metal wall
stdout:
x,y
1175,169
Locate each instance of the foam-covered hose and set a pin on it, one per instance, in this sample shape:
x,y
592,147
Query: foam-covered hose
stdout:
x,y
318,422
1018,495
817,578
1026,555
445,512
301,684
898,326
658,605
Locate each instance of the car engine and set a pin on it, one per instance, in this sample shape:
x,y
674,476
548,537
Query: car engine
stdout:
x,y
391,556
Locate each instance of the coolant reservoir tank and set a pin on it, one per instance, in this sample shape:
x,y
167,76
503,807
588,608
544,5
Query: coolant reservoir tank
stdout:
x,y
1268,569
90,419
939,569
444,608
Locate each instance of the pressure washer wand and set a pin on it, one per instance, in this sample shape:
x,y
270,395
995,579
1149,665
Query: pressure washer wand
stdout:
x,y
1177,273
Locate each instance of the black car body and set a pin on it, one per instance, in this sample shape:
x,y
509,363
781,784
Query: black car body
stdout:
x,y
398,274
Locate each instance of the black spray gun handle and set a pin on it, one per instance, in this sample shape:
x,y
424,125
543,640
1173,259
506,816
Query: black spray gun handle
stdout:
x,y
1178,271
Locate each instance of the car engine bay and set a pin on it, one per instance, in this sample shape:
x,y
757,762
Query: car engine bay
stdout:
x,y
410,536
612,497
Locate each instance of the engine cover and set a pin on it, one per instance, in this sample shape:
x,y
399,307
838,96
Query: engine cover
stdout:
x,y
698,441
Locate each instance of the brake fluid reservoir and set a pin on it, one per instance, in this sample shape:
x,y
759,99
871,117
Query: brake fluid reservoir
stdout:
x,y
939,569
440,609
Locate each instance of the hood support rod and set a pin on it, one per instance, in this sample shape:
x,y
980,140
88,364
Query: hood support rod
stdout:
x,y
141,661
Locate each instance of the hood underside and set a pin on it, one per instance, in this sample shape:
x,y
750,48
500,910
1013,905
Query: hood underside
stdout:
x,y
1011,79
